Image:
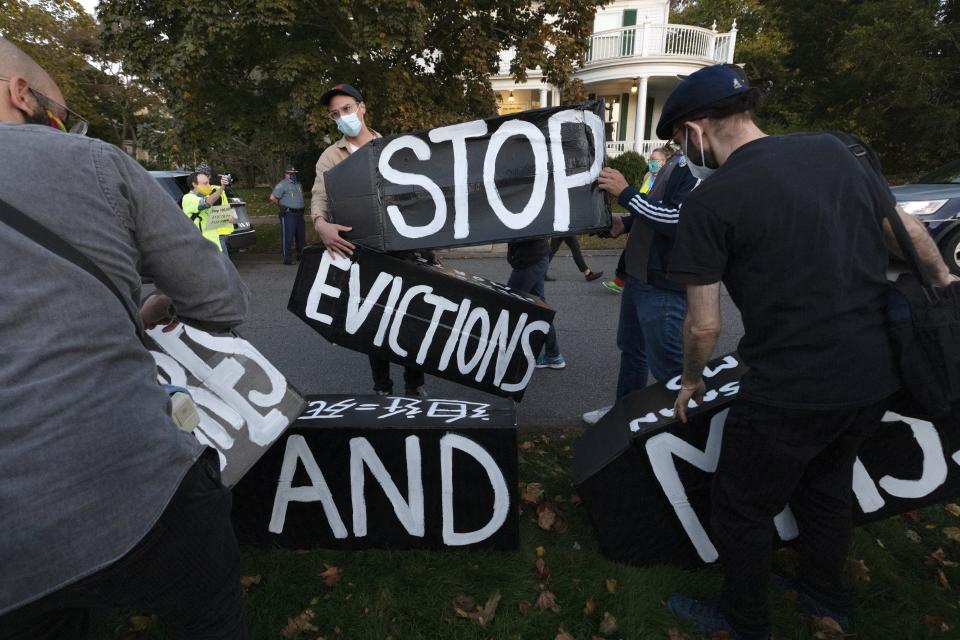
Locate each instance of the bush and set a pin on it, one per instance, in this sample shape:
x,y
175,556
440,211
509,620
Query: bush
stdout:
x,y
631,164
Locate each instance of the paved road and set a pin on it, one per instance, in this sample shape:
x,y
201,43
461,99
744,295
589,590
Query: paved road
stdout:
x,y
586,321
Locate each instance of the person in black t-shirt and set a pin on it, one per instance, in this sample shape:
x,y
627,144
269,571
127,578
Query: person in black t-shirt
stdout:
x,y
794,227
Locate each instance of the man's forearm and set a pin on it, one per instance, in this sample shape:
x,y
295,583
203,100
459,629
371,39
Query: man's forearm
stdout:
x,y
931,263
698,345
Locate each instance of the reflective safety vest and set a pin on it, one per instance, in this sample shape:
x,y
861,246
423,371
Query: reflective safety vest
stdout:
x,y
218,216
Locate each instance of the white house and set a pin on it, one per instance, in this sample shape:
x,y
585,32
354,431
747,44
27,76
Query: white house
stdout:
x,y
634,61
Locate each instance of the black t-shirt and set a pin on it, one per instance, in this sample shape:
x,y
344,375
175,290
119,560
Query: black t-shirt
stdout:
x,y
526,253
792,226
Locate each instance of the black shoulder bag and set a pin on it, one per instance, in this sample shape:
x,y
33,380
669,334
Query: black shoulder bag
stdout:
x,y
924,321
19,221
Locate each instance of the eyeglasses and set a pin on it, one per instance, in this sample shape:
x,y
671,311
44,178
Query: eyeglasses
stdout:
x,y
344,111
71,122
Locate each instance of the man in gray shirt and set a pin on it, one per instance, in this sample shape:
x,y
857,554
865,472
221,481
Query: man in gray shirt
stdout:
x,y
104,502
288,195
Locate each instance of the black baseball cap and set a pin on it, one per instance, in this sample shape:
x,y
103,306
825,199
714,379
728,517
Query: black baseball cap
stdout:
x,y
290,169
340,90
698,91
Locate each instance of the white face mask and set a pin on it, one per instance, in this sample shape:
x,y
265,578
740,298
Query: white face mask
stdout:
x,y
349,125
699,171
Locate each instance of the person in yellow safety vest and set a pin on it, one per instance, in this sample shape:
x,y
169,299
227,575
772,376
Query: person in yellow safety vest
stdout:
x,y
204,199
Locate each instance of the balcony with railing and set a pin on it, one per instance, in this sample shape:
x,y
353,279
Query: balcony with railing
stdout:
x,y
661,40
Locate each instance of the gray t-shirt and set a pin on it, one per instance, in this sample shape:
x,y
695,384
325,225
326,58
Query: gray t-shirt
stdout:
x,y
89,456
289,193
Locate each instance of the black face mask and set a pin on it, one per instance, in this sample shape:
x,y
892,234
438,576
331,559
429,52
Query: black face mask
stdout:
x,y
40,117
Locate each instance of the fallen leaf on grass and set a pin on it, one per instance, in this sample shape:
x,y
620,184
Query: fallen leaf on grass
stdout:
x,y
952,532
942,579
546,600
563,635
526,445
524,607
825,628
541,551
911,516
608,626
332,575
140,623
541,568
298,624
938,559
532,493
248,581
547,518
953,508
913,535
611,585
590,607
858,570
465,606
575,499
676,634
936,625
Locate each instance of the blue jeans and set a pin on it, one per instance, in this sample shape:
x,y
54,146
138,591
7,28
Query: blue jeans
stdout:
x,y
530,280
650,334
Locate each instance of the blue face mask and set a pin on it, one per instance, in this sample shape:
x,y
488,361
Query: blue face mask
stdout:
x,y
653,166
349,125
292,177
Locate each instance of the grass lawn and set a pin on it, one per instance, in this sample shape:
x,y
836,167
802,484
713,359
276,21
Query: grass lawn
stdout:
x,y
901,569
268,235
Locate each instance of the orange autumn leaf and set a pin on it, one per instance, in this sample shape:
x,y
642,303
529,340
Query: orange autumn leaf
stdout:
x,y
299,624
546,516
532,493
547,601
543,571
332,575
590,607
612,585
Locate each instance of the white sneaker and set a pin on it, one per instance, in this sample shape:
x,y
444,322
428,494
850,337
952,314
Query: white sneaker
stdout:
x,y
593,417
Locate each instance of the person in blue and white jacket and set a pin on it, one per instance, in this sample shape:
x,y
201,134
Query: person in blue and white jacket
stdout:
x,y
652,308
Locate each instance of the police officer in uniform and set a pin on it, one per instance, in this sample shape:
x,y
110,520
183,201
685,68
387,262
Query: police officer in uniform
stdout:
x,y
288,195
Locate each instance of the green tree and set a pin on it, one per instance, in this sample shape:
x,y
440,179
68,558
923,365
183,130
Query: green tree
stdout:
x,y
249,75
63,39
887,70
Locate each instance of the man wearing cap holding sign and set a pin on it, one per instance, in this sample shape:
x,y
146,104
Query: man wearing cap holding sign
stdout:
x,y
288,195
209,209
807,269
348,110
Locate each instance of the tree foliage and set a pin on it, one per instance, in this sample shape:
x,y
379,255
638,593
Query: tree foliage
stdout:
x,y
887,70
63,39
248,75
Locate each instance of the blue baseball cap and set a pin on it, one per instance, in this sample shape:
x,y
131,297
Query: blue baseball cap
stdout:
x,y
698,91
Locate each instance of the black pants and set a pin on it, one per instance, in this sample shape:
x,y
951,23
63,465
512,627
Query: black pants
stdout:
x,y
770,457
186,570
412,378
574,245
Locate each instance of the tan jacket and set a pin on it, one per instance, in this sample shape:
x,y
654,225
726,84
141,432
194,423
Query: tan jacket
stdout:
x,y
331,157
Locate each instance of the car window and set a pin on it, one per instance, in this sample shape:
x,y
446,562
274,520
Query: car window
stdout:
x,y
947,174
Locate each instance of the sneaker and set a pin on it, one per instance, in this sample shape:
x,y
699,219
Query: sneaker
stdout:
x,y
590,276
547,278
556,362
419,392
593,417
706,614
612,286
381,392
808,604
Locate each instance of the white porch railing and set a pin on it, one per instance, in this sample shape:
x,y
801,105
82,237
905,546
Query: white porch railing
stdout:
x,y
658,40
616,147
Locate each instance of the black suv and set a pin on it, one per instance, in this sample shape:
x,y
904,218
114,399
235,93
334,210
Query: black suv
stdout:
x,y
243,236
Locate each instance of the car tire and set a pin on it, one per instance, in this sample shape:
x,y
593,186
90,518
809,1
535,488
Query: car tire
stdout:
x,y
950,250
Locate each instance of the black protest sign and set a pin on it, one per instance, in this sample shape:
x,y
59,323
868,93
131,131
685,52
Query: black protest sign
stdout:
x,y
524,175
448,323
644,477
358,472
243,401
